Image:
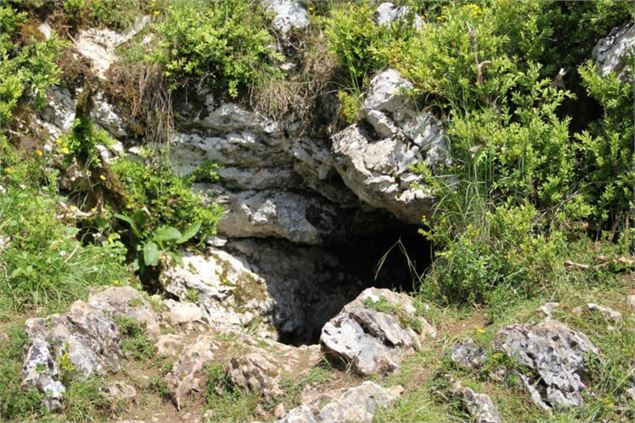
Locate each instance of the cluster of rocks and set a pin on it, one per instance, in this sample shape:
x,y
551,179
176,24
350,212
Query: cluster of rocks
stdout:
x,y
86,341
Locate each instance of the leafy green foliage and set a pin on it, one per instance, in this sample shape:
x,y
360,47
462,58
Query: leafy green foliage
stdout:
x,y
160,204
43,264
117,14
27,66
223,44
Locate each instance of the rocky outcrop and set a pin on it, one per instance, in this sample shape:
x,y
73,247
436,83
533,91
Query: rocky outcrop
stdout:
x,y
253,364
58,115
387,13
83,342
555,352
349,405
287,14
98,44
372,333
611,53
282,289
377,163
272,184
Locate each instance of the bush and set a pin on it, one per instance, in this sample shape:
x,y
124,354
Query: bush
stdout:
x,y
164,198
27,66
222,44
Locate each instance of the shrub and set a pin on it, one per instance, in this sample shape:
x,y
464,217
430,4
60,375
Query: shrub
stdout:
x,y
222,44
164,199
27,67
606,150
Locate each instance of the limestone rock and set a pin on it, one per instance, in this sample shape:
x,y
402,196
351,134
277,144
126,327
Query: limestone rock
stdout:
x,y
377,165
555,352
58,115
287,14
126,301
84,338
348,405
630,300
119,390
468,354
227,292
611,53
607,312
480,406
373,341
255,372
387,13
290,290
98,44
182,314
186,374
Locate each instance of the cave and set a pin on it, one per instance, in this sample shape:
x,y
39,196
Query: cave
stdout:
x,y
393,258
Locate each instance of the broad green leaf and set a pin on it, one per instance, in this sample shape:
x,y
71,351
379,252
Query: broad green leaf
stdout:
x,y
190,232
166,233
151,254
130,222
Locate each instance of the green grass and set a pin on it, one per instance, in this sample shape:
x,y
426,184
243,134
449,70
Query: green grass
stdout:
x,y
44,268
135,343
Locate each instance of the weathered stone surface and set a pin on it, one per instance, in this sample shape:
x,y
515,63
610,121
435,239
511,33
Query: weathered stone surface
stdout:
x,y
287,14
119,390
228,293
608,313
611,53
630,300
372,341
348,405
182,314
291,291
555,352
387,13
58,115
126,301
86,338
377,166
479,406
468,354
98,45
187,373
253,364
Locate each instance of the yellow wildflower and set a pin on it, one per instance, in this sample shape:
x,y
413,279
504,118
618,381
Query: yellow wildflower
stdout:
x,y
9,170
39,152
102,177
156,12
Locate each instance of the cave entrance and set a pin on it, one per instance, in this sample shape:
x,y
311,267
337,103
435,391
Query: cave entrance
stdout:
x,y
394,258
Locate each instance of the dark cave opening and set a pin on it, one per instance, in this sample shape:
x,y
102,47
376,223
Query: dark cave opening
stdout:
x,y
394,258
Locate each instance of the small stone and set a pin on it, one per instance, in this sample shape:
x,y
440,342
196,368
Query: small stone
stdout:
x,y
548,308
608,313
479,406
468,354
118,390
630,300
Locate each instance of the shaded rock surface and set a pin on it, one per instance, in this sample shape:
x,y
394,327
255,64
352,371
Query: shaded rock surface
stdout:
x,y
611,52
349,405
376,163
272,183
373,341
555,352
283,289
